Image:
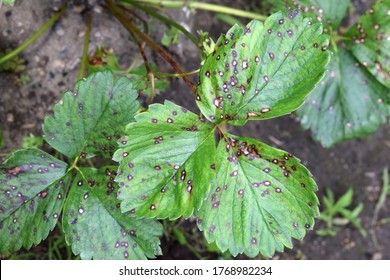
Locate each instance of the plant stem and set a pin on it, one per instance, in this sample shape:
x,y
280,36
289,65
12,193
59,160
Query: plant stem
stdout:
x,y
203,6
84,59
133,29
164,75
336,37
35,36
163,19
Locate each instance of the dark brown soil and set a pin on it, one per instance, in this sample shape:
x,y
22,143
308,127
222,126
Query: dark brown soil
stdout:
x,y
53,65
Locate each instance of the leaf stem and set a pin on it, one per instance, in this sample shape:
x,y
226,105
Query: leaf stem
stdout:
x,y
35,36
132,28
84,59
175,75
337,37
163,19
203,6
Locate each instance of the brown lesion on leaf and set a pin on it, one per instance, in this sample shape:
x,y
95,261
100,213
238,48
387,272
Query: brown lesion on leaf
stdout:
x,y
15,171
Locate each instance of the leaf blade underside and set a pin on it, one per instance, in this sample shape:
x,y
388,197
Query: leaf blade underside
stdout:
x,y
370,42
166,163
262,197
263,70
349,102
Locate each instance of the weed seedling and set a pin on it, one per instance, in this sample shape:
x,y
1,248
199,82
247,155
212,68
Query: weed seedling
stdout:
x,y
336,213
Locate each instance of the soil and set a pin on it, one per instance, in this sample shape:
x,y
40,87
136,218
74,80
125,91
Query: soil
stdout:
x,y
52,63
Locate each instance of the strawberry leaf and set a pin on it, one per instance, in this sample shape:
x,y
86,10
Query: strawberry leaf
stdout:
x,y
329,12
32,188
91,118
349,103
264,70
166,162
96,228
261,198
371,44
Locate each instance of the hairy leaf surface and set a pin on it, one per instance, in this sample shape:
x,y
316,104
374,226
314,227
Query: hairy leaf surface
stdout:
x,y
166,162
96,228
370,41
30,181
349,102
261,198
263,70
92,117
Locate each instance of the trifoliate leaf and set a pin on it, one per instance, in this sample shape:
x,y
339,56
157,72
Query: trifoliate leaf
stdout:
x,y
329,12
166,163
92,117
349,102
30,183
264,70
371,41
261,198
96,228
31,223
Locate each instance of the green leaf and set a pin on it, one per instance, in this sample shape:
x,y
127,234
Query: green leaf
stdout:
x,y
92,117
166,162
95,227
31,223
261,198
7,2
371,44
101,60
32,141
142,81
264,70
25,174
349,103
16,64
29,186
329,12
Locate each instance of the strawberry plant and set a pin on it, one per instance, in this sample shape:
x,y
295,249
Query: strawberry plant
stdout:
x,y
352,101
247,197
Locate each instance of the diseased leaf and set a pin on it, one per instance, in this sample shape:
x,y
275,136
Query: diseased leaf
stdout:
x,y
92,117
31,223
264,70
166,163
329,12
371,44
349,103
96,228
24,175
261,198
31,190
